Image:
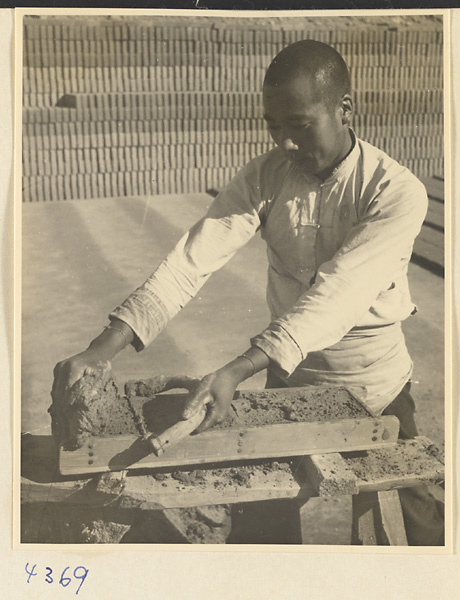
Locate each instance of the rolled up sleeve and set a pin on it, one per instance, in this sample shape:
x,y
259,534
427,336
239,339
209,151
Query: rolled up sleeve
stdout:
x,y
231,221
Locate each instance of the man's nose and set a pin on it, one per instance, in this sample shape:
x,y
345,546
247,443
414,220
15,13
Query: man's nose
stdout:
x,y
288,145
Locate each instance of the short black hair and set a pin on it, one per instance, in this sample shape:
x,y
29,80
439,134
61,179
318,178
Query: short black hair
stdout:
x,y
313,59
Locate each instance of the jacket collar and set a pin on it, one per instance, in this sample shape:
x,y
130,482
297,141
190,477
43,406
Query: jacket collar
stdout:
x,y
345,166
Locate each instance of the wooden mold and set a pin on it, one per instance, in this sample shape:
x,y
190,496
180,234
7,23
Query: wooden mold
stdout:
x,y
262,424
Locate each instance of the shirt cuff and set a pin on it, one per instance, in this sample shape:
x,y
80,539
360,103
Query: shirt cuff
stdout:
x,y
145,314
280,347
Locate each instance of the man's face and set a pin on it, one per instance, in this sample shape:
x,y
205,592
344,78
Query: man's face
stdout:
x,y
312,133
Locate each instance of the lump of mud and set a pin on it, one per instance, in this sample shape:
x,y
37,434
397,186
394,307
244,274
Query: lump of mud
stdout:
x,y
153,410
305,404
200,525
249,408
91,407
94,407
153,415
145,387
238,475
199,528
103,532
159,383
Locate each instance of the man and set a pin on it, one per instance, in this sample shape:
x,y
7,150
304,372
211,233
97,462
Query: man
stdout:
x,y
339,218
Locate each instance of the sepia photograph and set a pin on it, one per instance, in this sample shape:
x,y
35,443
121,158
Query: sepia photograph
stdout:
x,y
234,280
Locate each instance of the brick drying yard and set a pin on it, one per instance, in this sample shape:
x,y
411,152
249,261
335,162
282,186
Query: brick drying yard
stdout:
x,y
133,172
81,258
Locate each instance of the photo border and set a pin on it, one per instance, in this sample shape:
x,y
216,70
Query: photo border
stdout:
x,y
20,13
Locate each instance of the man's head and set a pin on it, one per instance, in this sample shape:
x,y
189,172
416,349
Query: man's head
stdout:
x,y
307,103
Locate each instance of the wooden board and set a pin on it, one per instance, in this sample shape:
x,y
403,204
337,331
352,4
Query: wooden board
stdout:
x,y
392,518
329,475
144,492
40,481
416,462
233,444
378,519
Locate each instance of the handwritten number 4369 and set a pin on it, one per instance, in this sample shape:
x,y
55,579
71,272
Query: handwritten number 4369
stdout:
x,y
78,573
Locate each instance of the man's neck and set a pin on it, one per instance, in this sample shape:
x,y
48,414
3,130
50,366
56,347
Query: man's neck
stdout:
x,y
348,146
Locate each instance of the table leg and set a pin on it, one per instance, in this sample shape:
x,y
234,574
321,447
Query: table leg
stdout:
x,y
392,518
378,519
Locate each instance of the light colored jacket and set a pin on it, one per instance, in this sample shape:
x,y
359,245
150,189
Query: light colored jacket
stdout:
x,y
338,252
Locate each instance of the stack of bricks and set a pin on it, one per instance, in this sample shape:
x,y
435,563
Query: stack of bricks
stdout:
x,y
130,107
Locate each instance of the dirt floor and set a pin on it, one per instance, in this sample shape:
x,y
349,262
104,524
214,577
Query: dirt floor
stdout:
x,y
82,258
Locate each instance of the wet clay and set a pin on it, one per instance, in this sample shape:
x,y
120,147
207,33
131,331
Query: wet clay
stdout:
x,y
250,409
223,477
203,524
381,463
92,406
307,404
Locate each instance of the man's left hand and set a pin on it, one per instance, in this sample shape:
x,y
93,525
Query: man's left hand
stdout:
x,y
216,391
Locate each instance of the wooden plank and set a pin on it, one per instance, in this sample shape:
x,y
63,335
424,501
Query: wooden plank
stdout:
x,y
392,518
216,488
430,448
73,492
329,475
408,464
366,528
364,519
233,444
175,490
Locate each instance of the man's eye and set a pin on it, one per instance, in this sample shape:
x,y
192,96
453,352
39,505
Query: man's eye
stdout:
x,y
272,126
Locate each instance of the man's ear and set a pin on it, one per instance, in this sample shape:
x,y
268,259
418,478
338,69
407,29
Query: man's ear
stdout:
x,y
346,107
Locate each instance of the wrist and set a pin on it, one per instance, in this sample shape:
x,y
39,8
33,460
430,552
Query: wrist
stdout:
x,y
102,348
239,369
247,364
113,338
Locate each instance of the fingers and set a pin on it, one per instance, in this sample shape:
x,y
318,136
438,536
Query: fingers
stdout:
x,y
96,370
61,377
199,397
213,417
215,394
66,373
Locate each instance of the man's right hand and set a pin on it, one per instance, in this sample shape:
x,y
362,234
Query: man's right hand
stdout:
x,y
101,351
94,360
70,370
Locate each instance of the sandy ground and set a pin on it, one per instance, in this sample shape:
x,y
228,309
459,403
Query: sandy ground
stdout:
x,y
82,258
